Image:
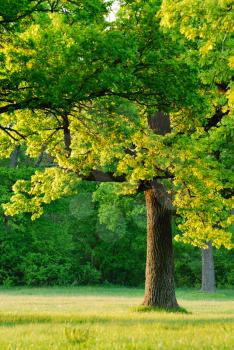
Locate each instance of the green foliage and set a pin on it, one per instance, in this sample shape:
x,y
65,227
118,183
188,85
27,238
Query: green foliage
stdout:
x,y
36,254
187,265
68,244
16,11
79,240
82,90
223,268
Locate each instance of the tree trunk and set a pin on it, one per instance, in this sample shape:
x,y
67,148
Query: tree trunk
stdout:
x,y
159,285
14,157
208,273
13,162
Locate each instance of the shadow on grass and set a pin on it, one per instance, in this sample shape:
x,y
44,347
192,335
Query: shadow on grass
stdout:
x,y
12,320
82,291
143,308
112,291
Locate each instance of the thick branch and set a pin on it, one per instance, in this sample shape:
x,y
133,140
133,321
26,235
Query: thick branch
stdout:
x,y
8,130
8,133
23,105
67,134
25,13
100,176
215,119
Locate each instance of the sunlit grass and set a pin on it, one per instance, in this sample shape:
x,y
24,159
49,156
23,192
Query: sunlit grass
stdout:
x,y
108,318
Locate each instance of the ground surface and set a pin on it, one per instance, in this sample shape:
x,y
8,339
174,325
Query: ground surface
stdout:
x,y
105,318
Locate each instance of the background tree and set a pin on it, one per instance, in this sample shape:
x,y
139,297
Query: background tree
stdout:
x,y
208,26
208,270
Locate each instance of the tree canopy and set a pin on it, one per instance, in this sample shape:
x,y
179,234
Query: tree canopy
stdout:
x,y
83,90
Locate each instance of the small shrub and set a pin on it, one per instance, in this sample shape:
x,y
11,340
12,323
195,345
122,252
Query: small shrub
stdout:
x,y
89,275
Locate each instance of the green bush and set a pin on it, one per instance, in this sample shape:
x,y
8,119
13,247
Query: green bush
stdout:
x,y
41,270
74,242
224,268
187,265
89,275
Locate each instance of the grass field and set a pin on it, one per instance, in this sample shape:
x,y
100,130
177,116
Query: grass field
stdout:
x,y
106,318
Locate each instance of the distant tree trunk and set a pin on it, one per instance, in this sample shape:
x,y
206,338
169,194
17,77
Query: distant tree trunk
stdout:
x,y
208,272
159,286
14,157
13,162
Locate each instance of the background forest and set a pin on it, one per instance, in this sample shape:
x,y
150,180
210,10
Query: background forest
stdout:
x,y
93,237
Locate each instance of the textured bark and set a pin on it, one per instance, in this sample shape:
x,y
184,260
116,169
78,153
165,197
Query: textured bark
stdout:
x,y
159,123
208,273
159,285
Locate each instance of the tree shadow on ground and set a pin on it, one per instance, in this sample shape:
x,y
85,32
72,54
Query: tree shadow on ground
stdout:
x,y
12,320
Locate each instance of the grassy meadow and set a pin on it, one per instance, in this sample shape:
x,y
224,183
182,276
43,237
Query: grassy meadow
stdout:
x,y
107,318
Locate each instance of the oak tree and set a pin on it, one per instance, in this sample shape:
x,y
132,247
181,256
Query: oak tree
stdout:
x,y
117,102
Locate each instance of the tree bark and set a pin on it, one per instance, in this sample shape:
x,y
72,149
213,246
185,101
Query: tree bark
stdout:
x,y
159,285
208,272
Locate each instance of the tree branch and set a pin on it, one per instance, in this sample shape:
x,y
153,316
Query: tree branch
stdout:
x,y
215,119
